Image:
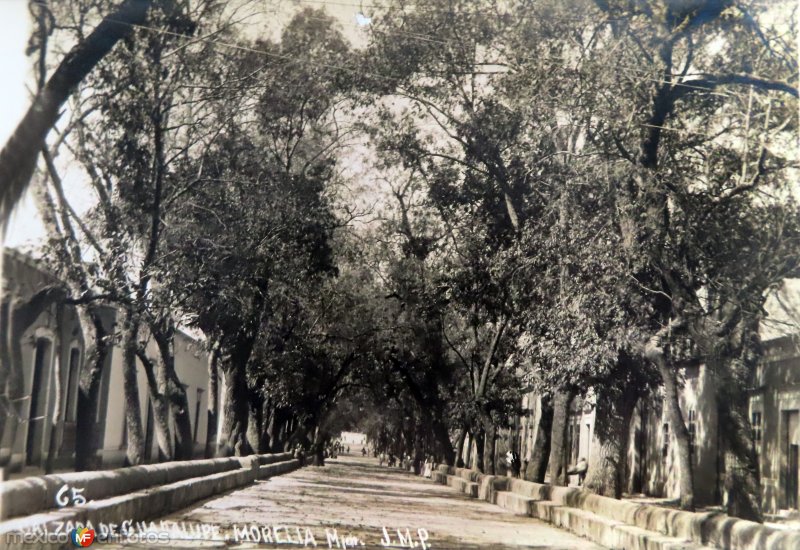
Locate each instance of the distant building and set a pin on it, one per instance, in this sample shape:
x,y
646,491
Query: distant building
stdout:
x,y
354,438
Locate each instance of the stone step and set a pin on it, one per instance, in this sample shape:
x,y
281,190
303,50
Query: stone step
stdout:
x,y
141,505
469,488
439,477
519,504
467,474
606,532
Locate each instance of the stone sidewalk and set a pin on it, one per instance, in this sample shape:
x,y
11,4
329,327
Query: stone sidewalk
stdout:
x,y
350,503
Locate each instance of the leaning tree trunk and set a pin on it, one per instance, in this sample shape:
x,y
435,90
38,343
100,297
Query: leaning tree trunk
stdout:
x,y
18,157
170,386
157,383
97,341
134,454
537,466
654,351
608,455
557,471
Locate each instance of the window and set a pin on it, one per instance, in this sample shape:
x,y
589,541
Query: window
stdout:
x,y
757,420
665,439
692,432
574,434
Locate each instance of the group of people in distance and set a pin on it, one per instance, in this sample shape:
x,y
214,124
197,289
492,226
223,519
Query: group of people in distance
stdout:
x,y
404,462
512,462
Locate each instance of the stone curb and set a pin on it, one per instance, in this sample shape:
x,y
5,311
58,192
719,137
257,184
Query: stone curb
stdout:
x,y
627,521
120,502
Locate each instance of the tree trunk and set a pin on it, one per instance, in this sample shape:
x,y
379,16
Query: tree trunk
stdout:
x,y
742,479
9,411
489,447
462,435
558,438
276,432
608,455
442,435
267,411
133,416
98,345
318,446
233,439
213,403
156,383
14,381
170,386
18,157
654,351
255,421
681,436
480,438
537,466
179,407
742,476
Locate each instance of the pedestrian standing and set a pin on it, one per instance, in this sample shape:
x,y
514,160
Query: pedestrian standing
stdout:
x,y
428,467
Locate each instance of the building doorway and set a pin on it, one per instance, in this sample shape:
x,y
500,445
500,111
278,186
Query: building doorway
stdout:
x,y
37,413
791,446
791,476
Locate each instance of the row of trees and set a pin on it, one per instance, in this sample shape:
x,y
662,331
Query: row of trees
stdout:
x,y
585,194
568,196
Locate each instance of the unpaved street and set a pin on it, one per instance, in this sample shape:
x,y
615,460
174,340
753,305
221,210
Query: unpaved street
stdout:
x,y
347,504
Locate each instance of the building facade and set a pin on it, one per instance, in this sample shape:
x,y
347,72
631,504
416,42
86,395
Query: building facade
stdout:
x,y
652,463
52,360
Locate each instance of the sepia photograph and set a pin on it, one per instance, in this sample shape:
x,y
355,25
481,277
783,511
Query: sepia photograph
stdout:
x,y
400,274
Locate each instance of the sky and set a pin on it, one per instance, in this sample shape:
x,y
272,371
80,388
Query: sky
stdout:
x,y
14,100
25,229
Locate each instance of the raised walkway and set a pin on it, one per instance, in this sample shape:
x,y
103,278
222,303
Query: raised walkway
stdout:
x,y
616,523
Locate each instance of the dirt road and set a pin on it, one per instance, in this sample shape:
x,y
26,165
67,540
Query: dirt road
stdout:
x,y
352,503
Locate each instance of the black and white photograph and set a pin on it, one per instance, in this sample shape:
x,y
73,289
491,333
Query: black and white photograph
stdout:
x,y
400,274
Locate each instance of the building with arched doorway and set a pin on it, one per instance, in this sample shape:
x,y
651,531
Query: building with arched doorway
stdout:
x,y
41,383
